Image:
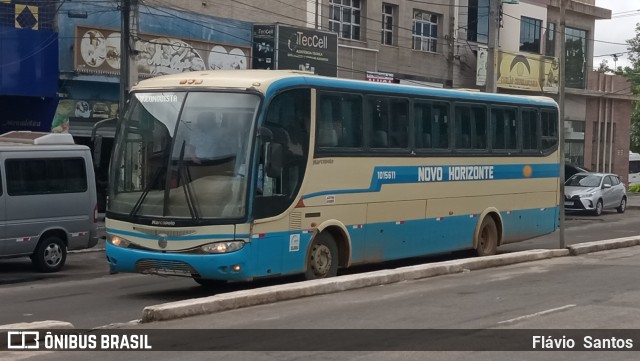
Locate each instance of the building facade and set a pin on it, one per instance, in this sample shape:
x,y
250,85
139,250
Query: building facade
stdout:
x,y
441,43
597,108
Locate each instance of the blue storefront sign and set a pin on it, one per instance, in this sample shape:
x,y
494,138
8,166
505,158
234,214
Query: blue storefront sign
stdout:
x,y
28,65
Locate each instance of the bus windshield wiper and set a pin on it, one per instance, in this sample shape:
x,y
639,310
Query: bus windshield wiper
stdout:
x,y
145,191
186,186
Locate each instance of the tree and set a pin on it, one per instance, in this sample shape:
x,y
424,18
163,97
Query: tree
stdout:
x,y
603,67
633,74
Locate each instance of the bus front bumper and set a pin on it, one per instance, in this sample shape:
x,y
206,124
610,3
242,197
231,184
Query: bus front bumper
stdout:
x,y
227,266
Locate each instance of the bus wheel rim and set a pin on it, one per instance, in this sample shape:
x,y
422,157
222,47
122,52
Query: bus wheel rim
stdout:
x,y
321,260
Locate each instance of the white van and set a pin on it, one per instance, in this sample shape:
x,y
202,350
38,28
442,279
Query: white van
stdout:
x,y
47,198
634,168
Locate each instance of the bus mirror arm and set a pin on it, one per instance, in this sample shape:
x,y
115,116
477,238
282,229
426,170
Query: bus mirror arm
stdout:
x,y
96,139
273,162
97,151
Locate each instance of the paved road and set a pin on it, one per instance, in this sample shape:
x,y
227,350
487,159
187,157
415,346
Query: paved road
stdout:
x,y
87,296
593,291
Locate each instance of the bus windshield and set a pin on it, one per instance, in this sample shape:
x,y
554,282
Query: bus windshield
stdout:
x,y
183,155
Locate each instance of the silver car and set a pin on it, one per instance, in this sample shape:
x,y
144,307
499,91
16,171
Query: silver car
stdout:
x,y
594,192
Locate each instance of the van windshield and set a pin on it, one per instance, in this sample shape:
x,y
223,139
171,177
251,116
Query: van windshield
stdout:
x,y
183,155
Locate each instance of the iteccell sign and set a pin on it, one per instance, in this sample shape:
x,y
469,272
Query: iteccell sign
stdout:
x,y
286,47
307,49
263,47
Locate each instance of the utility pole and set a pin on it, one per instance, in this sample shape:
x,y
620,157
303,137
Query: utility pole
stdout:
x,y
561,36
451,43
128,35
317,14
492,43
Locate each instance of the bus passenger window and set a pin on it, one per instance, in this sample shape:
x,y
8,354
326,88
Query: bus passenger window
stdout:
x,y
529,130
327,134
480,128
463,127
549,126
339,121
503,128
389,122
471,127
440,125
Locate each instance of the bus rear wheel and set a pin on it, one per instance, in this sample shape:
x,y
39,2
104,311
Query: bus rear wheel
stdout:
x,y
322,258
487,241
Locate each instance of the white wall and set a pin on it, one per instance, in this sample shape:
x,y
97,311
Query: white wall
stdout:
x,y
510,32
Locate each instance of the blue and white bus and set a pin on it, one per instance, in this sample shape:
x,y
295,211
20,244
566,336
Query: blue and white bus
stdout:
x,y
238,175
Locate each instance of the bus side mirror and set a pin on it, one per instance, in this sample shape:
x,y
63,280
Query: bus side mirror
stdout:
x,y
265,134
273,161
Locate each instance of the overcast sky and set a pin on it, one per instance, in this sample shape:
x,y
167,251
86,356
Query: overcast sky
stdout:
x,y
625,15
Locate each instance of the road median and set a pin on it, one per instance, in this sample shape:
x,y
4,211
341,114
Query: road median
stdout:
x,y
247,298
597,246
29,337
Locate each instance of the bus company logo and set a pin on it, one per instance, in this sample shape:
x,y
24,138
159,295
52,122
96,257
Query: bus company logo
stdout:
x,y
162,240
23,340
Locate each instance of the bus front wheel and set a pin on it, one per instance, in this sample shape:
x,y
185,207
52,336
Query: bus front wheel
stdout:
x,y
487,241
322,258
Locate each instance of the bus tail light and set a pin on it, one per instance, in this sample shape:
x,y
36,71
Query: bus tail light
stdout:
x,y
95,214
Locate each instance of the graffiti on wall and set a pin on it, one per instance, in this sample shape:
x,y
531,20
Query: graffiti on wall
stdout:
x,y
88,110
98,52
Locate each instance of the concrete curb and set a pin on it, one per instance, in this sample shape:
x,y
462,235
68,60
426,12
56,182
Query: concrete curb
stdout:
x,y
597,246
234,300
38,325
246,298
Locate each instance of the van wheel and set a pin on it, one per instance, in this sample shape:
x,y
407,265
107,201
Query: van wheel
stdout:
x,y
487,241
50,254
322,259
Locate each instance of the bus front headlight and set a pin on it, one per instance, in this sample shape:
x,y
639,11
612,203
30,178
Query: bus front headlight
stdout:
x,y
118,241
222,247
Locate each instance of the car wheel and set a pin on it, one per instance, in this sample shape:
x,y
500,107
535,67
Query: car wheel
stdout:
x,y
598,210
50,254
322,259
623,205
487,241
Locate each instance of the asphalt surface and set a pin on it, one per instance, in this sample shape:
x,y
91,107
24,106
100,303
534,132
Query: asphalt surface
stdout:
x,y
75,294
597,293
